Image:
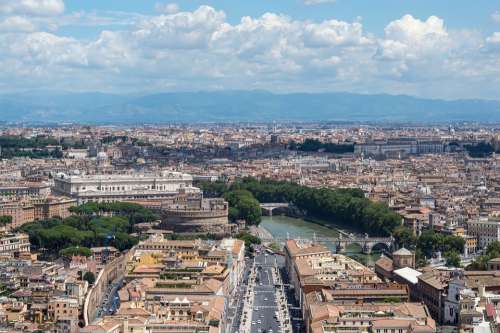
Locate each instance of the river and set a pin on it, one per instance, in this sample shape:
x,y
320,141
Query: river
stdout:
x,y
284,226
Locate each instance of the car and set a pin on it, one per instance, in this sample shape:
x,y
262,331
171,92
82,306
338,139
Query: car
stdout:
x,y
259,321
253,322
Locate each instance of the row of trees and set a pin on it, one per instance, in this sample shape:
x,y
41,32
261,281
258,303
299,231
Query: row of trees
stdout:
x,y
17,146
481,149
314,145
347,207
40,142
19,142
55,235
77,233
135,213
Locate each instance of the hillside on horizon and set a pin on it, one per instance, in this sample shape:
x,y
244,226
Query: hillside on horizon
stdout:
x,y
236,106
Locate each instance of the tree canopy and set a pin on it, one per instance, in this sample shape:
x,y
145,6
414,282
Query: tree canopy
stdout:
x,y
77,232
347,207
313,145
75,251
492,252
431,242
89,277
5,219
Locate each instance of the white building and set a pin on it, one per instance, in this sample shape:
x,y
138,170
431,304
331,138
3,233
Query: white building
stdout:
x,y
77,153
122,187
486,230
14,243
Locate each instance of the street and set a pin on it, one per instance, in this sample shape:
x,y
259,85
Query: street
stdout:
x,y
111,301
264,304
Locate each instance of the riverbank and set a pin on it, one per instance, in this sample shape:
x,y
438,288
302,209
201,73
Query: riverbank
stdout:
x,y
280,226
323,223
326,225
261,232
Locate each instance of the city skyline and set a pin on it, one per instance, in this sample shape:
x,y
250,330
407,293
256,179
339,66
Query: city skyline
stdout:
x,y
446,50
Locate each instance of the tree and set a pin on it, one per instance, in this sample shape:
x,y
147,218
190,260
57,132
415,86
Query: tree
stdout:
x,y
5,219
431,242
247,206
75,251
275,247
248,238
481,263
493,250
452,259
234,213
89,277
404,237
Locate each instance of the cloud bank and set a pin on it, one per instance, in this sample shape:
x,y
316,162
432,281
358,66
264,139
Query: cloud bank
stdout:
x,y
200,50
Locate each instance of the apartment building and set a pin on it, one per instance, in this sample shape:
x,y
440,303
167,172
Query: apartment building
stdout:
x,y
11,244
28,210
64,312
312,267
486,230
373,317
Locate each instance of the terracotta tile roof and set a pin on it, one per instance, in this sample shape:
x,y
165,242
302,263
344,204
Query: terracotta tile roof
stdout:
x,y
385,263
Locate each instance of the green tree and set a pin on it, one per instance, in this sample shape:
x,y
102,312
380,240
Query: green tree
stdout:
x,y
481,263
247,206
248,238
89,277
452,259
75,251
5,219
404,237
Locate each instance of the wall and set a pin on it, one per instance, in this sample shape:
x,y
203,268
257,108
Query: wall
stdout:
x,y
111,272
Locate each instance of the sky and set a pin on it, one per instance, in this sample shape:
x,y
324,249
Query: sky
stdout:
x,y
447,49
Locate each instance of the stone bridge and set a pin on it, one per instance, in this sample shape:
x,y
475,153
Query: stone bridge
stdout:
x,y
342,242
269,208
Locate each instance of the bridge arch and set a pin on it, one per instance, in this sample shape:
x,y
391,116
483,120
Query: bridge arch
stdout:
x,y
270,209
349,246
382,246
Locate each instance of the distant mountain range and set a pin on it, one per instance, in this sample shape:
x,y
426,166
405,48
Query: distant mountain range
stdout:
x,y
235,106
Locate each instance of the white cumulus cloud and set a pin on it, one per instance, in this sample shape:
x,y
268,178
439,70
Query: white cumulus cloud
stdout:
x,y
202,50
167,8
32,7
16,24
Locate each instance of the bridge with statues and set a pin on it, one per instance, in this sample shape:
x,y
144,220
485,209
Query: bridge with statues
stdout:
x,y
341,243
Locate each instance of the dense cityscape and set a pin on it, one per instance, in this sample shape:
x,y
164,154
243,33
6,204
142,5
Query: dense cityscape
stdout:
x,y
306,227
225,166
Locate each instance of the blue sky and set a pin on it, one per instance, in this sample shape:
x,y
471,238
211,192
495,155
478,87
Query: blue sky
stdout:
x,y
457,14
441,49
